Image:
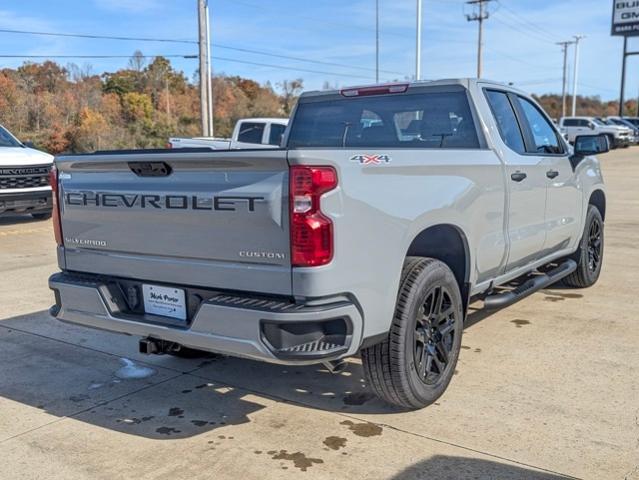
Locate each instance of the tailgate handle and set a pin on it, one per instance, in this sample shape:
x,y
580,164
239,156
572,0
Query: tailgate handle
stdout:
x,y
150,169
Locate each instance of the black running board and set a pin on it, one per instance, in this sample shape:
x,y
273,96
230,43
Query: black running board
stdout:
x,y
501,300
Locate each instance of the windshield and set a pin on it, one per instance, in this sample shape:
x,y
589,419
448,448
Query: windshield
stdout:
x,y
599,122
623,123
7,140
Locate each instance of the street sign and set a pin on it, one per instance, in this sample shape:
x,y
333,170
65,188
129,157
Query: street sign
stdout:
x,y
625,17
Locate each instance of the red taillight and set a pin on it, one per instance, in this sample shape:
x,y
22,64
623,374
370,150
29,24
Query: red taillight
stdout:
x,y
311,230
57,226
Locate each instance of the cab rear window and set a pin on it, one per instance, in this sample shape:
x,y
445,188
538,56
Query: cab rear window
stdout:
x,y
440,120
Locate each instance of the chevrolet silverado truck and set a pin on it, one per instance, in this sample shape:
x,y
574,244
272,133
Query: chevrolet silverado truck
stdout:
x,y
24,178
618,136
387,210
249,133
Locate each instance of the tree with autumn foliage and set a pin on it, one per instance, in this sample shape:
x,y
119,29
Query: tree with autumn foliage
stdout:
x,y
71,109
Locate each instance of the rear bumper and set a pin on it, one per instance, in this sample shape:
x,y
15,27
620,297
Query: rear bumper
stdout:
x,y
27,202
270,330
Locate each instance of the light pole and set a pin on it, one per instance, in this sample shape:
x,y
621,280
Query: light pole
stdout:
x,y
418,49
203,56
576,74
376,41
209,73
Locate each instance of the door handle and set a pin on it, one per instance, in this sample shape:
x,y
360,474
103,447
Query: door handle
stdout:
x,y
518,176
552,174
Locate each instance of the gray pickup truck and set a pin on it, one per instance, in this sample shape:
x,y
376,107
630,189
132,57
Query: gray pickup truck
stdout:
x,y
386,211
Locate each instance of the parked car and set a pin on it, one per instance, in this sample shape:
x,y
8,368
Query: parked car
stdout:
x,y
633,120
575,126
622,122
24,178
358,236
248,133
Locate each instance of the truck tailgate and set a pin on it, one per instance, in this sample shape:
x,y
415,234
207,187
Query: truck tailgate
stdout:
x,y
216,220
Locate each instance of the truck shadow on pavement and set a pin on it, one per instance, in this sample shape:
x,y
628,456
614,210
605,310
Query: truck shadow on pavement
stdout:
x,y
70,371
21,219
444,467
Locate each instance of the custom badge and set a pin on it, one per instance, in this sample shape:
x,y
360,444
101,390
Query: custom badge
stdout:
x,y
371,159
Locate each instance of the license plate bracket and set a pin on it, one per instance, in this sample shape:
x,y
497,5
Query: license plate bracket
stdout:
x,y
164,301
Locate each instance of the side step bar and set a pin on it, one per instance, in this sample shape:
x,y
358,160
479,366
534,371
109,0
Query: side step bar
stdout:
x,y
501,300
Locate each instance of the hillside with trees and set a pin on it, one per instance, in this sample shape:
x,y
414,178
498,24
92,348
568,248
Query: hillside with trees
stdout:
x,y
70,109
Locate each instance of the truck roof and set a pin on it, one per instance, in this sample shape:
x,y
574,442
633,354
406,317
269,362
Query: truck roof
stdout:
x,y
465,82
264,119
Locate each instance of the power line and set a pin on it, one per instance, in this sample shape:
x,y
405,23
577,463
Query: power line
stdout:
x,y
519,30
98,37
191,42
534,26
194,56
95,56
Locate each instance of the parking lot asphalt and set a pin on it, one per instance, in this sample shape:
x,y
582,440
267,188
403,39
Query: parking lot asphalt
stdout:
x,y
545,389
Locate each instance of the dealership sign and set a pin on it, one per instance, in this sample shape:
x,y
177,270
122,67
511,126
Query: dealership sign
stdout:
x,y
625,17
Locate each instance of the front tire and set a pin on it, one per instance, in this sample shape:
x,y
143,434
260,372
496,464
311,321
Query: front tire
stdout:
x,y
414,365
589,256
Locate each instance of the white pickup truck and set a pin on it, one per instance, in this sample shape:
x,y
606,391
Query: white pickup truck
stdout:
x,y
618,136
387,210
248,133
24,178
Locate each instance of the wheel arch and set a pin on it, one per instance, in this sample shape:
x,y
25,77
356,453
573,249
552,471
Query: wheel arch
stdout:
x,y
448,244
598,199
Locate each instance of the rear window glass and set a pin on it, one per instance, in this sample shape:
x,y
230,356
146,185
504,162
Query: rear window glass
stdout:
x,y
424,120
251,132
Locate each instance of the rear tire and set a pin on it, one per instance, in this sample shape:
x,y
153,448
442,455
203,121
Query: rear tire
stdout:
x,y
589,256
414,365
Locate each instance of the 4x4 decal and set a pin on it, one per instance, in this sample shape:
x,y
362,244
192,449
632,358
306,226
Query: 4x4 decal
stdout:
x,y
371,159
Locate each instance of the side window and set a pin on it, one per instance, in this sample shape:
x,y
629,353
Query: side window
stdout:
x,y
571,122
544,136
251,132
275,136
506,120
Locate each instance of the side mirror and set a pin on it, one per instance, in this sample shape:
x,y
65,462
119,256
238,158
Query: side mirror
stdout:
x,y
591,145
592,126
586,145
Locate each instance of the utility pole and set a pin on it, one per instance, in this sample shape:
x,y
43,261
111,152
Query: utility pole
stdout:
x,y
483,15
209,73
622,92
376,41
418,49
203,55
564,48
575,74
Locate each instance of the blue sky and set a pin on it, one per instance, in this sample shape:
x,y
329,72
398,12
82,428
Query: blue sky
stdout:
x,y
519,38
